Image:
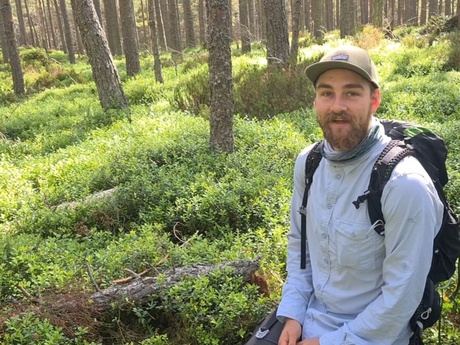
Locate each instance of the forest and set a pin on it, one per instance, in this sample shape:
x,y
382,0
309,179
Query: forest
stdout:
x,y
147,150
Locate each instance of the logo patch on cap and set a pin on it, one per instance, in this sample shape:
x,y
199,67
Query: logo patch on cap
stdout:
x,y
342,57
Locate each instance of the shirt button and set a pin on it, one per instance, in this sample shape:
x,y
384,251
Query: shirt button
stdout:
x,y
318,286
308,316
326,261
323,235
338,177
329,206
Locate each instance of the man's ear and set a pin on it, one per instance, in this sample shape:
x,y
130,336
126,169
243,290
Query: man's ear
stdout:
x,y
375,100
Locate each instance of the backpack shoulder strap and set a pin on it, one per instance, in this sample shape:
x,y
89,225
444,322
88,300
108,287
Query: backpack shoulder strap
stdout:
x,y
381,172
311,164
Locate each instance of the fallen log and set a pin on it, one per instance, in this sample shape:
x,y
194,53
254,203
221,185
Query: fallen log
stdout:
x,y
144,289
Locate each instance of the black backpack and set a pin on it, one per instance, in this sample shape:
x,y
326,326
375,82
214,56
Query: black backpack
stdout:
x,y
407,140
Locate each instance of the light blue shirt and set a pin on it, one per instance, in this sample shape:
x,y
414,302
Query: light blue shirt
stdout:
x,y
359,287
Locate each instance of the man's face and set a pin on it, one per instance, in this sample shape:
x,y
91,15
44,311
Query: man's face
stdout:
x,y
345,104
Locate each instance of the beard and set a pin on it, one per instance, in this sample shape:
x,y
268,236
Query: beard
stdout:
x,y
344,139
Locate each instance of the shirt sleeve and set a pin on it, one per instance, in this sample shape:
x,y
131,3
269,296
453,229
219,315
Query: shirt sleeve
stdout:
x,y
413,214
298,286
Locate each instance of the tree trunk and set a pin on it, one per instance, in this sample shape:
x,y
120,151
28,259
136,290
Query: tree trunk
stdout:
x,y
42,27
307,15
166,24
33,33
316,17
296,10
220,76
3,45
329,14
112,27
97,6
105,74
13,53
202,21
347,18
154,39
188,23
244,26
61,26
277,32
377,13
54,44
364,4
21,24
142,290
67,31
174,28
160,25
130,38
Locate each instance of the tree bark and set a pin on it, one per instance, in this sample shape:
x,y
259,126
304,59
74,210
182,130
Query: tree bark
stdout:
x,y
316,17
13,53
202,21
21,24
112,27
160,25
347,18
244,26
175,36
296,10
154,39
277,32
188,24
142,290
3,45
67,31
130,37
105,74
220,76
60,26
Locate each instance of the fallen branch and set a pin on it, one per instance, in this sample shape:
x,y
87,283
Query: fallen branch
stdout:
x,y
144,289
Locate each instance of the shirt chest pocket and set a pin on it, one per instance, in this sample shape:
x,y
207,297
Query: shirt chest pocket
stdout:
x,y
357,245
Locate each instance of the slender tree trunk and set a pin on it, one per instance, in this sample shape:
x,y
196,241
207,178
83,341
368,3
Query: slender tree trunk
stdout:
x,y
175,43
252,21
220,76
53,37
154,39
112,27
329,14
188,24
61,27
347,18
13,53
21,24
33,33
307,15
202,21
67,31
143,41
130,37
166,23
316,13
43,28
277,32
3,44
296,10
377,12
160,25
105,74
244,26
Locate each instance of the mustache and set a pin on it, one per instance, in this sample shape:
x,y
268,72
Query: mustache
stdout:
x,y
338,116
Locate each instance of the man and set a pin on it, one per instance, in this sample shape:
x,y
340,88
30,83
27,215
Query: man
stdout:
x,y
358,287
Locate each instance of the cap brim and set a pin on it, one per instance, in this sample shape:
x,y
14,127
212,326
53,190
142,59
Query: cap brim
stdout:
x,y
315,70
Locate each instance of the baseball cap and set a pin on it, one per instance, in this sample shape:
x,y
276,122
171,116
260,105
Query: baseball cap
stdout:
x,y
347,57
